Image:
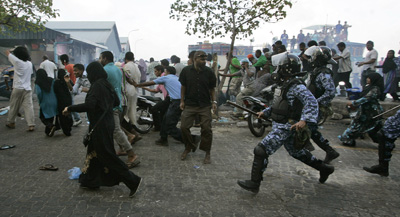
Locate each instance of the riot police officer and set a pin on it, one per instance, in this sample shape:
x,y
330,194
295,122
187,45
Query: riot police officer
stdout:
x,y
388,134
321,85
293,103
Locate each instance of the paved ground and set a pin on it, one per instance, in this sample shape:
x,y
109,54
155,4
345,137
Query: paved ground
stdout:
x,y
172,187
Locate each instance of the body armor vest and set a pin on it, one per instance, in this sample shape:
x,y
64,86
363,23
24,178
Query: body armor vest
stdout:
x,y
311,81
281,111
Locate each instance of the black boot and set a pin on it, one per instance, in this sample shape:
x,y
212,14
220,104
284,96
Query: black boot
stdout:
x,y
381,169
331,154
324,170
257,171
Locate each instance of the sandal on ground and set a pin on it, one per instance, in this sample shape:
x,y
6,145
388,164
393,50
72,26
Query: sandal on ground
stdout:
x,y
48,167
31,128
133,164
5,147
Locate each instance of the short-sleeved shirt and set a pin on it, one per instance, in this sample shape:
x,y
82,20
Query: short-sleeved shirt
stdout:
x,y
23,71
372,54
261,61
232,69
49,67
172,84
198,85
114,76
345,62
70,69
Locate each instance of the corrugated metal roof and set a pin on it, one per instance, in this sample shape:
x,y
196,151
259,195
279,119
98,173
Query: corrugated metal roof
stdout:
x,y
95,31
99,37
80,25
46,34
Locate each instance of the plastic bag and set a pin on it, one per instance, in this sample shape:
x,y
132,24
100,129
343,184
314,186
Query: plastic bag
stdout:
x,y
74,173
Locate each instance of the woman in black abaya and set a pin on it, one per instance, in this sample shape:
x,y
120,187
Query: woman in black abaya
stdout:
x,y
62,86
102,166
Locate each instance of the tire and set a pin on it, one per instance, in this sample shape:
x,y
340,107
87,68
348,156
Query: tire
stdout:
x,y
321,118
143,128
256,125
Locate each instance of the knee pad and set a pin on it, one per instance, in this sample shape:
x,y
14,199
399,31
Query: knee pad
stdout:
x,y
260,151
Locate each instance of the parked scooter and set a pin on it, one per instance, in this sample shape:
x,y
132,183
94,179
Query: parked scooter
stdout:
x,y
256,104
143,114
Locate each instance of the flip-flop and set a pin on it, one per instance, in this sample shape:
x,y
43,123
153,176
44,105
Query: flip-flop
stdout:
x,y
48,167
133,164
122,153
5,147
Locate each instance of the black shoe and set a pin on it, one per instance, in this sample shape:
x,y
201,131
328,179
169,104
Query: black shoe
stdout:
x,y
378,169
134,190
196,141
162,142
350,144
331,155
249,185
324,172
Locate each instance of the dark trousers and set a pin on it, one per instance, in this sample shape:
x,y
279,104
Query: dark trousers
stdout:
x,y
342,76
158,111
49,122
188,116
170,120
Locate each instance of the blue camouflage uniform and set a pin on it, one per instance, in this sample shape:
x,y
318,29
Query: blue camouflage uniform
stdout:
x,y
368,107
281,133
324,83
324,91
391,131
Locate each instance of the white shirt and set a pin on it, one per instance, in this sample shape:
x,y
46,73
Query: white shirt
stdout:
x,y
345,62
49,67
372,54
22,73
178,68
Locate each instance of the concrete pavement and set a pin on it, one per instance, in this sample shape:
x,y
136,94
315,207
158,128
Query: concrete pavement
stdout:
x,y
172,187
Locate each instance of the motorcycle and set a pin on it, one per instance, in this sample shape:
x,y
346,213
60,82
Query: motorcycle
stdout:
x,y
257,104
143,114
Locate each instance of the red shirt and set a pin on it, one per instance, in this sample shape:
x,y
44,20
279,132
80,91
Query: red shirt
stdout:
x,y
70,69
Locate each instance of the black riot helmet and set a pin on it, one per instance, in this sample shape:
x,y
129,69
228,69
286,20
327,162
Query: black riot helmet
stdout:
x,y
289,65
319,56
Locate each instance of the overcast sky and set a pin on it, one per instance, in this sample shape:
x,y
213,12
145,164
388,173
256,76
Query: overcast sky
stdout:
x,y
160,37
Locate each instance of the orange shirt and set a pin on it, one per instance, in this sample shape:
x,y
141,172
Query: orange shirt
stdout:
x,y
70,69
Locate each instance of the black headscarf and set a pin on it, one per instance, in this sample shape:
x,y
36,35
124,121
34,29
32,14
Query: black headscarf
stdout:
x,y
95,72
43,81
60,81
376,81
388,65
98,76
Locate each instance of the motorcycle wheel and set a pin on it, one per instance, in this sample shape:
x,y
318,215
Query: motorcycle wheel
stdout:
x,y
321,118
256,125
143,128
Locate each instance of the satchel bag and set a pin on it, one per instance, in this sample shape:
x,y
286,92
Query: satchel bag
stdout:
x,y
88,135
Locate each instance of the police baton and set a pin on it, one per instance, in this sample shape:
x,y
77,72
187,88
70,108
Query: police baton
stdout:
x,y
396,107
244,108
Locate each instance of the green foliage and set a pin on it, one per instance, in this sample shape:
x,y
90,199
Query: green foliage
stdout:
x,y
22,15
237,18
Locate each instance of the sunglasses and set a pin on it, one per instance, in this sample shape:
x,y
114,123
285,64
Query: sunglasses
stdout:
x,y
202,55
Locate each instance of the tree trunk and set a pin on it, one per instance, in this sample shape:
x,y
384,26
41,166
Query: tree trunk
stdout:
x,y
215,69
221,84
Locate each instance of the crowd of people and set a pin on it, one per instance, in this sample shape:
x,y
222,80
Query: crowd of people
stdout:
x,y
331,35
189,96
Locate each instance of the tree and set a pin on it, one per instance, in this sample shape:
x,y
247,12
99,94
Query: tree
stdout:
x,y
23,15
235,18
